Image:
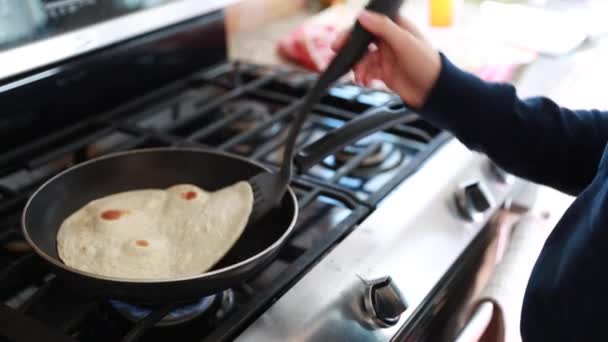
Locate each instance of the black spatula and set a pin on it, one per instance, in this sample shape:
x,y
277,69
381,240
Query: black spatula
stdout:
x,y
269,188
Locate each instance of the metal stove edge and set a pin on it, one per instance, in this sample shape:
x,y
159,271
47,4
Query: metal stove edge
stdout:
x,y
417,232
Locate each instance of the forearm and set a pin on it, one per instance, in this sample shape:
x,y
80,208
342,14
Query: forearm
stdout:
x,y
534,139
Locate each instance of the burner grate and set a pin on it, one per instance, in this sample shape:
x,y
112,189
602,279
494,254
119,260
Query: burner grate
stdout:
x,y
192,113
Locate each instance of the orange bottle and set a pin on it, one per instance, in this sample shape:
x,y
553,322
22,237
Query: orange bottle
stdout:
x,y
441,12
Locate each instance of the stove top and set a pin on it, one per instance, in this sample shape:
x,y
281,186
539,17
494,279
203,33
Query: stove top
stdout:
x,y
237,107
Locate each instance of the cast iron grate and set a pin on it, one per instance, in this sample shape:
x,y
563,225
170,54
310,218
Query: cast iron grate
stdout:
x,y
198,112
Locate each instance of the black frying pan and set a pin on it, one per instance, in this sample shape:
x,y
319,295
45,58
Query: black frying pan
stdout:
x,y
210,170
160,168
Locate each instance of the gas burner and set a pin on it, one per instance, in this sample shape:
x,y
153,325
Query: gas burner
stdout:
x,y
384,157
375,158
298,81
254,114
179,315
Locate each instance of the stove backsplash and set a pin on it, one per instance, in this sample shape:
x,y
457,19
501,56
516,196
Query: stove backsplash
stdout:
x,y
41,102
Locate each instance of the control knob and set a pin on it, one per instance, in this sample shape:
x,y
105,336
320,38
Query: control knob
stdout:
x,y
384,302
473,200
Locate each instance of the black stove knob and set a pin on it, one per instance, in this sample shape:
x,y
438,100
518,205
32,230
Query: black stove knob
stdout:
x,y
384,302
473,200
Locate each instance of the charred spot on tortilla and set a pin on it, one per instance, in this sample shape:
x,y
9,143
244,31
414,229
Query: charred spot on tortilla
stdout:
x,y
190,195
142,243
113,214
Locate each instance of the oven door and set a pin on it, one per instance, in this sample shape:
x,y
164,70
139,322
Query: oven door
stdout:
x,y
456,310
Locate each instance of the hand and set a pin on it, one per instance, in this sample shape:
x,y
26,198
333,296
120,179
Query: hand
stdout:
x,y
400,57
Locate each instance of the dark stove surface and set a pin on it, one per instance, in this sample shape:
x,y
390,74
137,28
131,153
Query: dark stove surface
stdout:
x,y
241,108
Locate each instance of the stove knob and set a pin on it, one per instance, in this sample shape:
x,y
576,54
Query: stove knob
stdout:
x,y
473,200
502,175
384,302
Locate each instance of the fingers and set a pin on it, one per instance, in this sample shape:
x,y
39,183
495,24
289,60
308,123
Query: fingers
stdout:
x,y
359,70
369,68
373,66
341,39
408,25
382,27
395,40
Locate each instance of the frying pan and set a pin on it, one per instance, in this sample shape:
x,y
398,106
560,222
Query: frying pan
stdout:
x,y
68,191
274,211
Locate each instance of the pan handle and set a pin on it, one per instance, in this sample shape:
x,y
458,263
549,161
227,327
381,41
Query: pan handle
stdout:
x,y
373,120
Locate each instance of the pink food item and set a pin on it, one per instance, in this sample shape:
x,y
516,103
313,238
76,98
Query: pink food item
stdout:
x,y
309,45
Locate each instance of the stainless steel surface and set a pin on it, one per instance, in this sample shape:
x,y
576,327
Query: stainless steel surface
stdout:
x,y
71,44
502,175
414,236
477,324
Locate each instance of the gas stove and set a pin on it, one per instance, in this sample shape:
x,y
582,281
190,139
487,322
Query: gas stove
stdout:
x,y
389,227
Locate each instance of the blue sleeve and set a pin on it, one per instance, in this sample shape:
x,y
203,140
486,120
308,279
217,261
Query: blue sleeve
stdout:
x,y
534,138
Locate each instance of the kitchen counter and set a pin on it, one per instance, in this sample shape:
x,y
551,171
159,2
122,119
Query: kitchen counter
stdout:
x,y
259,45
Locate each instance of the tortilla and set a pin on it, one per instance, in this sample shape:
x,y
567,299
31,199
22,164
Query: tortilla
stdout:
x,y
155,234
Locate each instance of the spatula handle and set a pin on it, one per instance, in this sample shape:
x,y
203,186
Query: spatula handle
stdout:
x,y
358,42
352,51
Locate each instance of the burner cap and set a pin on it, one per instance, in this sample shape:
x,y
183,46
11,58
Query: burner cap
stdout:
x,y
375,158
181,314
384,157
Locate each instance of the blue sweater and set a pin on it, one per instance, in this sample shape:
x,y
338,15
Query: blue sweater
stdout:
x,y
567,294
